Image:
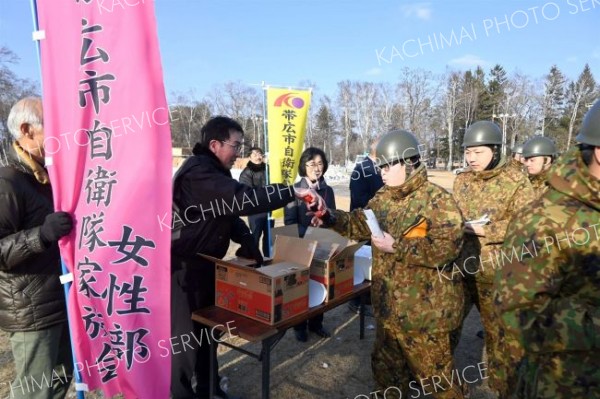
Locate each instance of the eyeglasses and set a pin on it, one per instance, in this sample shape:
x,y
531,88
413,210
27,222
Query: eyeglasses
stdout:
x,y
386,167
314,165
237,147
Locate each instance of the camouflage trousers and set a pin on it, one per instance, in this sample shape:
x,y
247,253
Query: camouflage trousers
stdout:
x,y
503,349
413,363
552,376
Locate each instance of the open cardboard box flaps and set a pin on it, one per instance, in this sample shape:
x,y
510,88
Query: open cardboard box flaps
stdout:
x,y
333,261
272,293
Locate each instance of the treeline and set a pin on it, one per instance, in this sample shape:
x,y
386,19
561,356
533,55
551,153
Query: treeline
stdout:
x,y
12,87
436,108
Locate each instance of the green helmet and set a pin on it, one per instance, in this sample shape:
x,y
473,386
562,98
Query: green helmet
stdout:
x,y
538,147
396,145
517,149
482,133
590,128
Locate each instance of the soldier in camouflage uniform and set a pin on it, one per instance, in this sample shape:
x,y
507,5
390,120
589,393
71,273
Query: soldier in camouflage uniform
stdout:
x,y
517,153
496,187
415,309
539,153
517,158
551,293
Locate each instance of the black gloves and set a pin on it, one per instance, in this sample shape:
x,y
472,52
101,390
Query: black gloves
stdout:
x,y
249,249
56,225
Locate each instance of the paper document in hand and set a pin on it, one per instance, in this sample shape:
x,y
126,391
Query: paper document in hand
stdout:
x,y
481,221
372,223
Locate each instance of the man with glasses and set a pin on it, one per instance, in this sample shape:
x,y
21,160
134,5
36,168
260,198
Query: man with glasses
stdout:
x,y
255,176
210,203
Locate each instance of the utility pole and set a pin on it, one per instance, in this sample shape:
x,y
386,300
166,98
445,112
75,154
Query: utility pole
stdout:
x,y
504,119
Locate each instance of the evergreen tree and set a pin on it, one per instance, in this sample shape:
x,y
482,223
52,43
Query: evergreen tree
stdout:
x,y
324,132
580,97
493,95
553,103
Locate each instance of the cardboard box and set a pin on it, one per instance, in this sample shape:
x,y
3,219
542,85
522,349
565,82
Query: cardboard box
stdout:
x,y
269,294
333,262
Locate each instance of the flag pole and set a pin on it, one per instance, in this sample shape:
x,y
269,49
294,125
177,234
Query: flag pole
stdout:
x,y
266,141
67,285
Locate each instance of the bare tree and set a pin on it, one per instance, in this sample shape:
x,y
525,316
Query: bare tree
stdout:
x,y
417,89
345,103
188,115
363,101
471,87
240,102
386,101
12,88
451,101
518,108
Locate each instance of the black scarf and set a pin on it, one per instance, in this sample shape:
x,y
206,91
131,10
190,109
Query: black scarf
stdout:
x,y
254,167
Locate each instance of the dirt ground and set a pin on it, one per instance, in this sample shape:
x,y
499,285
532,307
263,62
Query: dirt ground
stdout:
x,y
337,368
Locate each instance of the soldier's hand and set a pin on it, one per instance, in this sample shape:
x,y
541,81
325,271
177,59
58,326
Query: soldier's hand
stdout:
x,y
316,222
385,243
320,218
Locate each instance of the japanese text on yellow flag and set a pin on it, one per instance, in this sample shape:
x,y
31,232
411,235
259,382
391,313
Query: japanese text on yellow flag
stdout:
x,y
287,111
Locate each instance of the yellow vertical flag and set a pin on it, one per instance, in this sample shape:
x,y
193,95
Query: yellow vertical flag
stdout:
x,y
287,112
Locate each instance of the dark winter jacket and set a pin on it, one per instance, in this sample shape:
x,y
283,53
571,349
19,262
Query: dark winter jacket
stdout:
x,y
364,183
31,296
295,212
253,175
211,203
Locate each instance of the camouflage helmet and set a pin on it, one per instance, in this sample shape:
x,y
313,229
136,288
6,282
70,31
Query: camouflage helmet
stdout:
x,y
590,128
395,146
517,149
482,133
538,147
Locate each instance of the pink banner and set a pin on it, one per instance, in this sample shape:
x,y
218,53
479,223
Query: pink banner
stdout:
x,y
108,151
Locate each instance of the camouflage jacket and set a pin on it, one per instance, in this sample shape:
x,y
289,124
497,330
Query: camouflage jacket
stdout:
x,y
408,291
550,292
518,165
539,183
499,193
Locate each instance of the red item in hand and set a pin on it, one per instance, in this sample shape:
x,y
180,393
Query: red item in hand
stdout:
x,y
320,213
308,199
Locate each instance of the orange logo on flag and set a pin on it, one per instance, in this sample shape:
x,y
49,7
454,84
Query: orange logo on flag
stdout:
x,y
285,99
